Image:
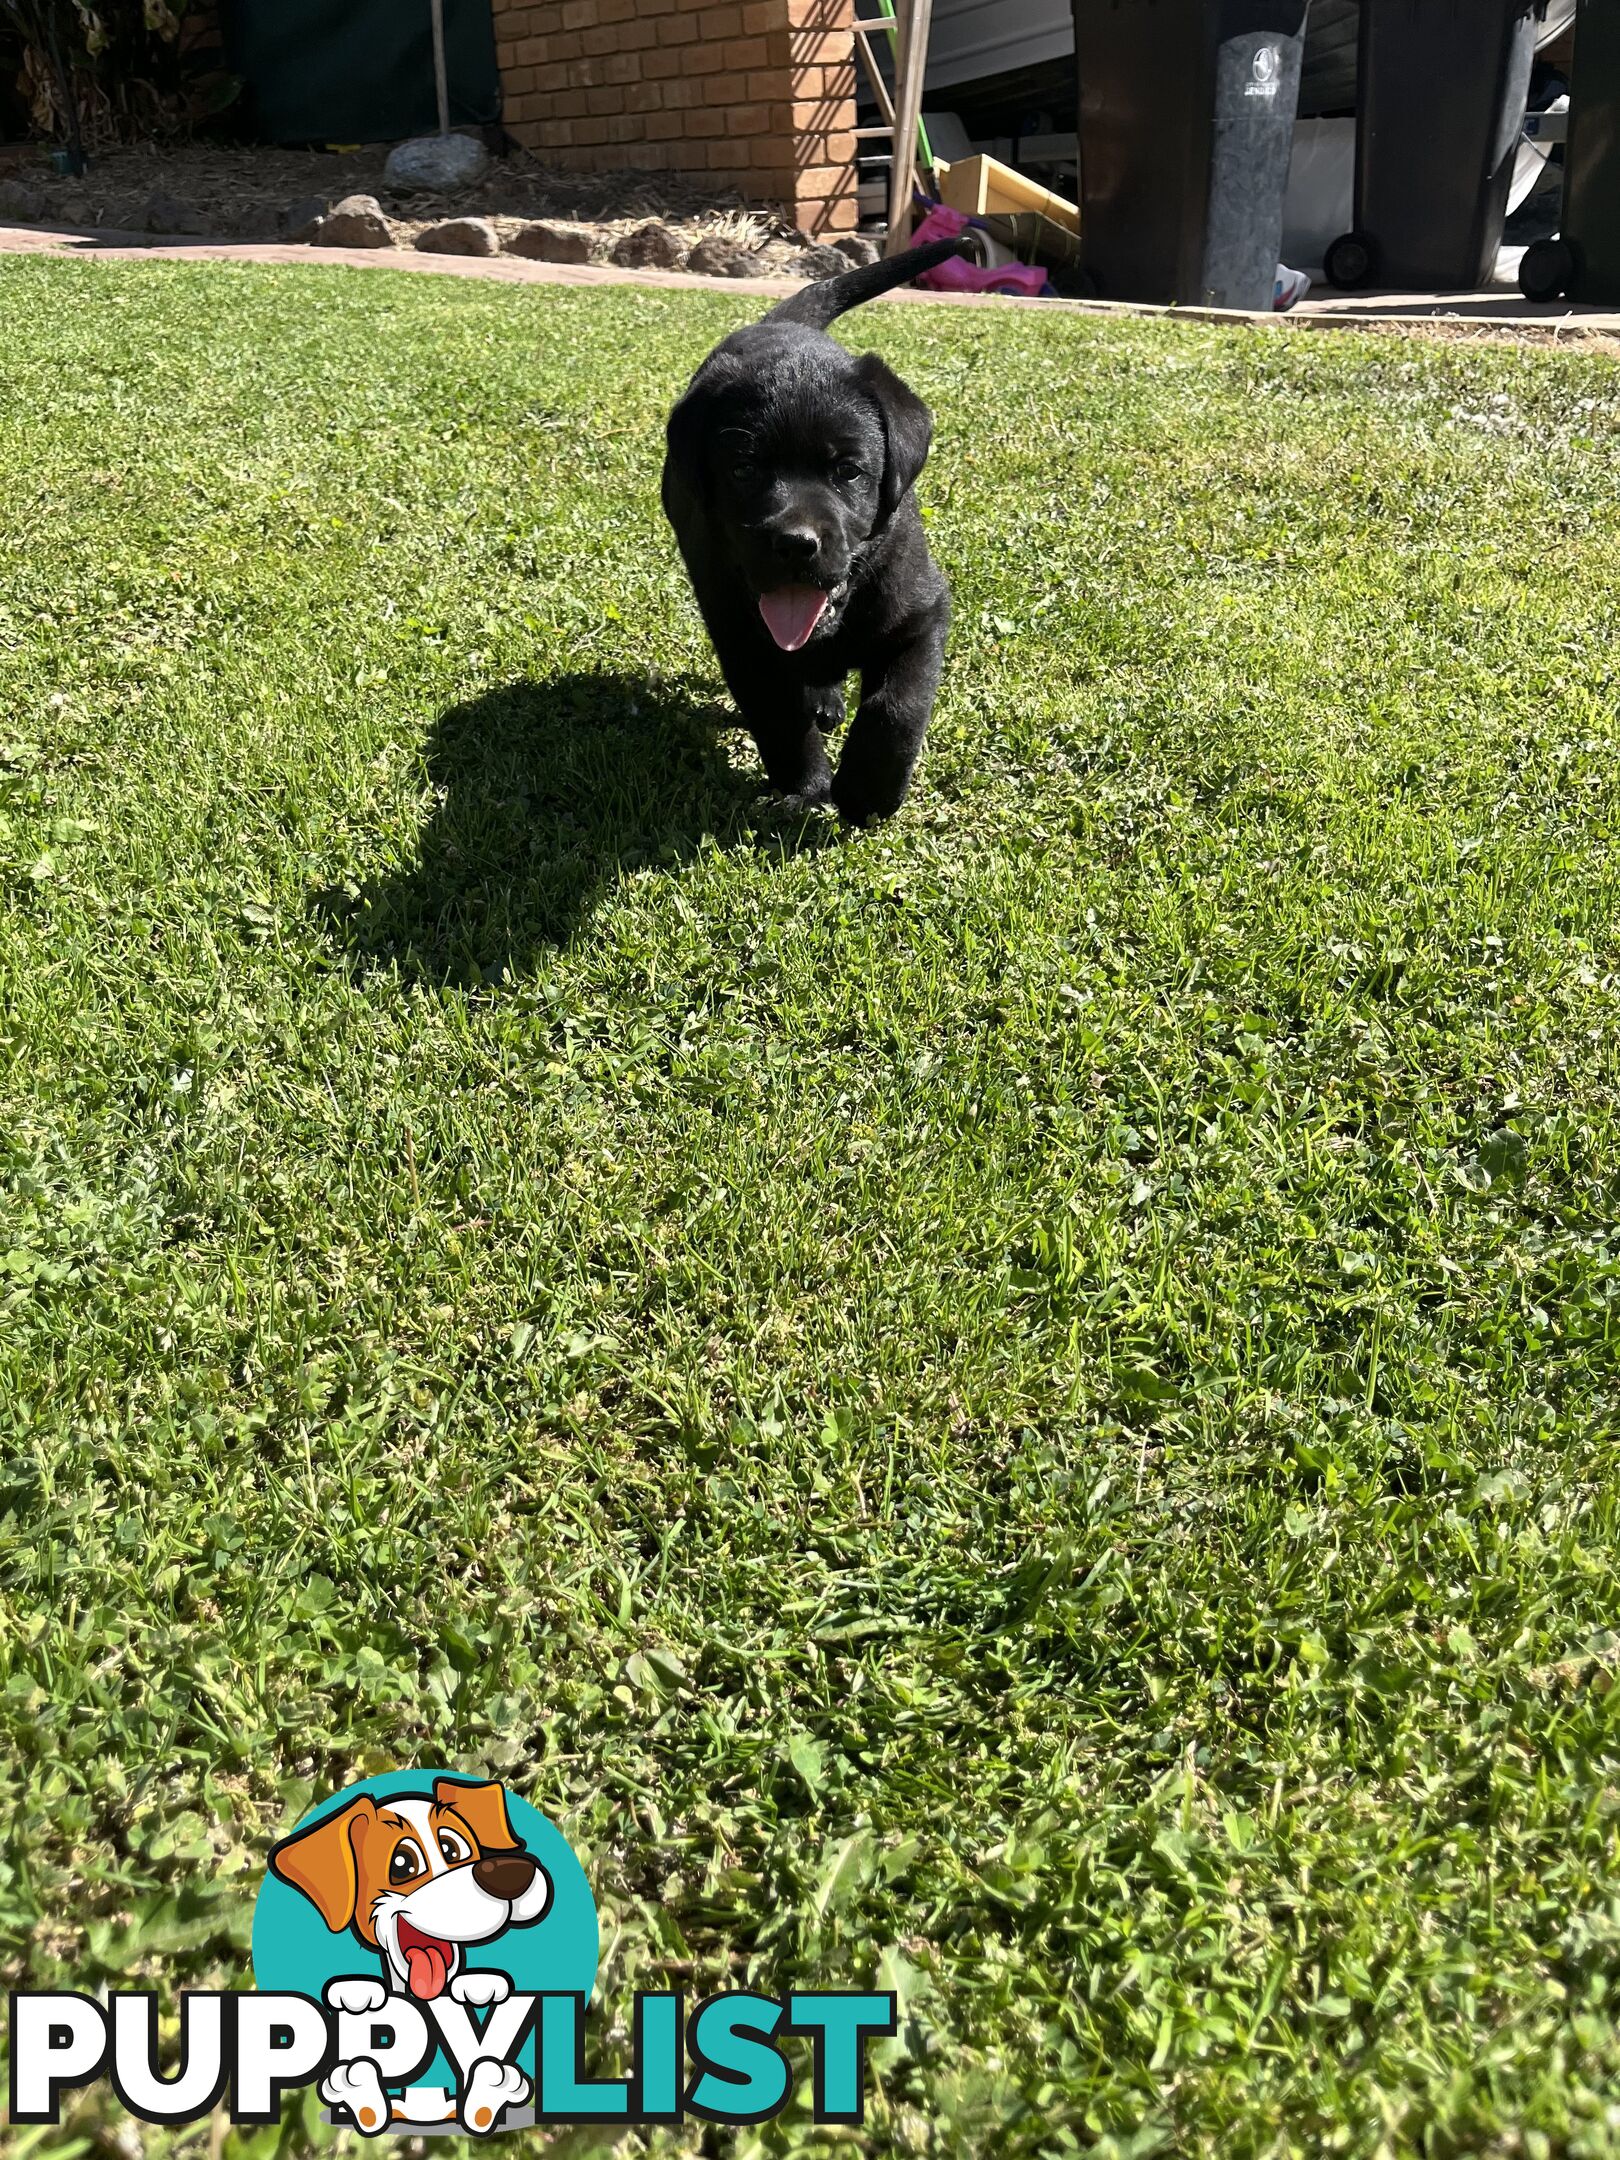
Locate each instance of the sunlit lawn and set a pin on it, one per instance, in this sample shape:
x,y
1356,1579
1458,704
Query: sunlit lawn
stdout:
x,y
1021,1406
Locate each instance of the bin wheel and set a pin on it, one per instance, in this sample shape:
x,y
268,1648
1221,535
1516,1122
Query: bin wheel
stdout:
x,y
1546,269
1349,262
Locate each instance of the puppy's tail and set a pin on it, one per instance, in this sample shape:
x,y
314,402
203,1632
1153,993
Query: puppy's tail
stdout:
x,y
822,303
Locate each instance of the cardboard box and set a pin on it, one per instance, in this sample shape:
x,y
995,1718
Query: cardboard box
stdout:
x,y
983,187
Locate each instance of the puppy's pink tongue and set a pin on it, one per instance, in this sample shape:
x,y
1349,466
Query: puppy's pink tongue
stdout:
x,y
792,612
430,1969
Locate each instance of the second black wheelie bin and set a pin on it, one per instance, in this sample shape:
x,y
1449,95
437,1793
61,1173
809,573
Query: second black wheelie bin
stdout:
x,y
1440,96
1186,126
1584,261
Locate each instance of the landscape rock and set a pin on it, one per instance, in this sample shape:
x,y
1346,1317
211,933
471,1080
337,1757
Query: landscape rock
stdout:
x,y
717,257
460,236
19,200
547,241
298,220
166,213
858,248
650,247
821,262
357,221
437,164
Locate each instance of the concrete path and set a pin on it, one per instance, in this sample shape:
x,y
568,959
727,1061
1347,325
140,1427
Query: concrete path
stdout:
x,y
1489,315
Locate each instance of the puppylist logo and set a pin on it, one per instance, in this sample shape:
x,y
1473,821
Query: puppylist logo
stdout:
x,y
424,1948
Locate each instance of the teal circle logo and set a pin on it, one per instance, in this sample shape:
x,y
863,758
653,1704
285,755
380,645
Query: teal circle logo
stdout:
x,y
425,1887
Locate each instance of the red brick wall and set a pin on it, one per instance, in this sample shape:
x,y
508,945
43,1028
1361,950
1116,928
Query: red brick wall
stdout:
x,y
753,94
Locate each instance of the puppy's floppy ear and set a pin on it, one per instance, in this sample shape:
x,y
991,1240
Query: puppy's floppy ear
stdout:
x,y
682,435
685,486
483,1809
908,428
320,1861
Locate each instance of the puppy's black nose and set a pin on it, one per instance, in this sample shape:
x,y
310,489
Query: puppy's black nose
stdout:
x,y
504,1875
796,544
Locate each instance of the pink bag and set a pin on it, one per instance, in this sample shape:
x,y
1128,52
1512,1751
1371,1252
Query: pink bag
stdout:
x,y
1024,279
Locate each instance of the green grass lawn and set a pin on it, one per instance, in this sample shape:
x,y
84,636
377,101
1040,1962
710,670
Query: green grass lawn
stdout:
x,y
1021,1406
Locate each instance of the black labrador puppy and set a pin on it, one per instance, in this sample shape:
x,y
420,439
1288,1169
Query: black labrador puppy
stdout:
x,y
788,481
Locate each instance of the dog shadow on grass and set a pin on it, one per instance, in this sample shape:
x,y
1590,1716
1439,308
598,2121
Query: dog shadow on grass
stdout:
x,y
548,794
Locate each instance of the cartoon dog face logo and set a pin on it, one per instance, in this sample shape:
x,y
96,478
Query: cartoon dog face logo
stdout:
x,y
418,1877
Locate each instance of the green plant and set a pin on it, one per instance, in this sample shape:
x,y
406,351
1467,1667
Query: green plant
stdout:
x,y
116,69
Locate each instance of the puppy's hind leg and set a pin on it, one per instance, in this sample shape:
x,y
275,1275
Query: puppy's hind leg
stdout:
x,y
492,2087
358,2087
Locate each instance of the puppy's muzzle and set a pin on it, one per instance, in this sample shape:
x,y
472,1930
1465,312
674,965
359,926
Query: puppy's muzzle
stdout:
x,y
795,546
789,553
504,1875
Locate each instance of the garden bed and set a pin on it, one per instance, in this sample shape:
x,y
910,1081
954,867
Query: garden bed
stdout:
x,y
260,193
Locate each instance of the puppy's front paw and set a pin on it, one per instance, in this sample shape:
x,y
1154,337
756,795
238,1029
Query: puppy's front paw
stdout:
x,y
357,2087
802,805
355,1996
491,2089
856,810
478,1989
865,797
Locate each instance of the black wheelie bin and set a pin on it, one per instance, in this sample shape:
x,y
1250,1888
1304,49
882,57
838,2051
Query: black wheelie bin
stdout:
x,y
1440,96
1583,262
1186,126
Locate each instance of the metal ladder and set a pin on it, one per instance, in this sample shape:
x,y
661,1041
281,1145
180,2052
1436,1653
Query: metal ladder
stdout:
x,y
900,124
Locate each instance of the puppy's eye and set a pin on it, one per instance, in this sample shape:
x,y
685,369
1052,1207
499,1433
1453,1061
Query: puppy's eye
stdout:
x,y
744,469
849,469
455,1849
405,1863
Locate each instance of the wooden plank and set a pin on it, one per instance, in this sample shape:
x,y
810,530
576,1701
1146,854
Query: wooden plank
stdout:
x,y
880,89
911,65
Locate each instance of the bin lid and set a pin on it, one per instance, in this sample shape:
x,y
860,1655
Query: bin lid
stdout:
x,y
1327,82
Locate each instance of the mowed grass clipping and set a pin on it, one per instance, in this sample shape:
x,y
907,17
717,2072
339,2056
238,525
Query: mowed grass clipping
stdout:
x,y
1020,1407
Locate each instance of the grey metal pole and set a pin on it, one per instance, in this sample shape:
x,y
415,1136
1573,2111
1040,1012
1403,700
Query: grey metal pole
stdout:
x,y
441,77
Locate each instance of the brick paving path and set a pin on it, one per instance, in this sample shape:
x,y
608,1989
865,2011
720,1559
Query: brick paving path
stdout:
x,y
1493,314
